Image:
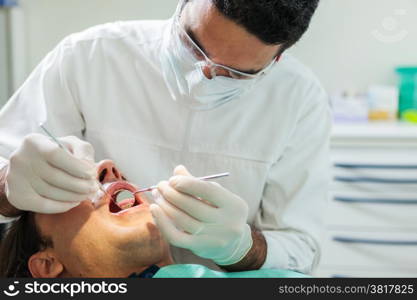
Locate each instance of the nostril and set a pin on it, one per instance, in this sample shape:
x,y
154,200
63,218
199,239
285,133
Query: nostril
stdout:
x,y
102,175
115,172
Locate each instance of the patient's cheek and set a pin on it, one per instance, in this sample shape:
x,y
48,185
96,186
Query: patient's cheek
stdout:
x,y
84,207
74,217
44,223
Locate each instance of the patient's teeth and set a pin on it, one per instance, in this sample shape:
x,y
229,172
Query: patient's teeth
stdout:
x,y
126,205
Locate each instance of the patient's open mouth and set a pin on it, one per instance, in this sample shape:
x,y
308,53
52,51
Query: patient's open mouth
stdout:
x,y
122,197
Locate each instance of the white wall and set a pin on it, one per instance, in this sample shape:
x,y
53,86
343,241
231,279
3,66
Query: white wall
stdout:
x,y
4,66
48,21
354,43
341,45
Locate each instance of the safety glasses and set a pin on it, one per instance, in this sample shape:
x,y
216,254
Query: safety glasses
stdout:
x,y
205,61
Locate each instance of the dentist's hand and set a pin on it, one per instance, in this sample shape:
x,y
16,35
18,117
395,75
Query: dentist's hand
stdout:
x,y
44,178
203,217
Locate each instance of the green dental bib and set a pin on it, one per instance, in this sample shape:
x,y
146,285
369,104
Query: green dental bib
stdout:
x,y
198,271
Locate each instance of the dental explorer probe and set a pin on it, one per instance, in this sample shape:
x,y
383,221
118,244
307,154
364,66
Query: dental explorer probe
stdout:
x,y
205,178
66,150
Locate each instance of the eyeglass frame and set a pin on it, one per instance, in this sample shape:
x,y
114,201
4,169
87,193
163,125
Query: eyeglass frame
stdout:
x,y
211,64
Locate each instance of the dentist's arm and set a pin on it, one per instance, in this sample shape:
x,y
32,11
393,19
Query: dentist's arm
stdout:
x,y
296,191
256,256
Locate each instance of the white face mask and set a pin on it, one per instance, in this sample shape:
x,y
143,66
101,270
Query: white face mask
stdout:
x,y
185,78
220,89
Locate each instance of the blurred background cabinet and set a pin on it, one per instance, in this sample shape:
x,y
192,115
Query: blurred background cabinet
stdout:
x,y
371,220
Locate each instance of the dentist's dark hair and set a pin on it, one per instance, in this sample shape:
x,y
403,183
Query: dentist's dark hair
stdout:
x,y
275,22
20,241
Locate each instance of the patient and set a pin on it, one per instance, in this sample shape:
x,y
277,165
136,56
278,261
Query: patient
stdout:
x,y
104,239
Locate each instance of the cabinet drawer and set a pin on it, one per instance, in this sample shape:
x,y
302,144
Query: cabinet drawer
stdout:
x,y
367,186
391,212
397,173
358,249
374,177
376,155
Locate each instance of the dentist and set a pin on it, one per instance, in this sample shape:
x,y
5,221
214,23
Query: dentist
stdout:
x,y
212,89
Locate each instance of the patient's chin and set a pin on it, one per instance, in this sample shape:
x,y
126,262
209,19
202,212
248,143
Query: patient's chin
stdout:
x,y
144,235
148,247
159,245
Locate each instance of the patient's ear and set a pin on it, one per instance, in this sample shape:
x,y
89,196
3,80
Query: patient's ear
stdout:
x,y
44,264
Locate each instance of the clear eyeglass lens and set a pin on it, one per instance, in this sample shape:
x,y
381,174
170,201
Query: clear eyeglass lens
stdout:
x,y
215,70
238,76
194,51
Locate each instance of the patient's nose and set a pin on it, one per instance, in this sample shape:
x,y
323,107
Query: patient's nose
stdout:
x,y
107,172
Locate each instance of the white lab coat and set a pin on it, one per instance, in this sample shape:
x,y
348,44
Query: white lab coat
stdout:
x,y
105,85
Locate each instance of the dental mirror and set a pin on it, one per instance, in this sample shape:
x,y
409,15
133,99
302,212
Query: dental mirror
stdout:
x,y
123,195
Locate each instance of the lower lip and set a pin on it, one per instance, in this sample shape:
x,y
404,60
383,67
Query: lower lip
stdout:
x,y
133,209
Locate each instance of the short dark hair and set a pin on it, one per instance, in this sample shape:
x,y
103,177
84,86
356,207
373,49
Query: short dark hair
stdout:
x,y
275,22
21,240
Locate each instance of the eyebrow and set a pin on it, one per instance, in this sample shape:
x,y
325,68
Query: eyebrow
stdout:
x,y
197,42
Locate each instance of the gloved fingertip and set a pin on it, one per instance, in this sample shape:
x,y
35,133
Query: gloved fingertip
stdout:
x,y
160,184
154,210
181,170
155,193
173,181
158,200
